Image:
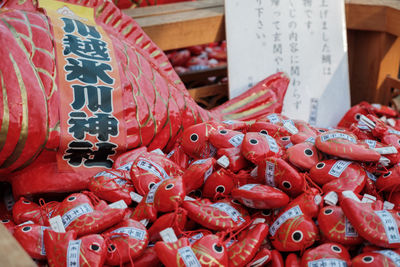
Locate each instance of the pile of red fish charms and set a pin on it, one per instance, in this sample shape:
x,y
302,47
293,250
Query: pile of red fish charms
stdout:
x,y
270,192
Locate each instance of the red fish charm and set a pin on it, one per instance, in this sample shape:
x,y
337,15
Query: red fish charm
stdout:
x,y
112,185
63,249
195,140
151,168
78,213
277,172
377,258
380,227
303,155
293,231
30,236
128,239
257,146
258,196
197,173
215,216
339,175
176,220
336,227
225,138
345,145
247,244
219,183
208,251
168,195
327,254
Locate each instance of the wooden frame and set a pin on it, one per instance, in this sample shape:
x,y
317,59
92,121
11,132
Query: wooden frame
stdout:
x,y
373,38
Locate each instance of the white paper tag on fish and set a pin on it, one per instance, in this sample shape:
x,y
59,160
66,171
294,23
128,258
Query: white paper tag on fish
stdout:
x,y
350,231
290,127
393,256
56,224
168,235
120,204
338,168
270,173
388,205
75,213
390,225
368,199
386,150
188,257
223,162
132,232
327,262
331,198
291,213
73,253
136,197
236,140
247,186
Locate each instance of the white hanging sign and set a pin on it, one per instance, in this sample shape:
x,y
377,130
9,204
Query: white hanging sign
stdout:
x,y
305,39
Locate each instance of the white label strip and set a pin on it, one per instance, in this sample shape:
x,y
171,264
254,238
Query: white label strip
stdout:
x,y
327,263
120,204
389,223
371,143
291,213
273,146
223,161
247,186
350,231
43,249
56,224
228,209
310,140
394,132
273,118
188,257
73,253
200,161
126,167
338,168
168,235
74,213
330,136
153,168
131,231
152,192
290,127
393,256
136,197
386,150
270,173
194,238
106,174
236,140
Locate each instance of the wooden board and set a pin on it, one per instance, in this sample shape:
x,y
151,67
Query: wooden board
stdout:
x,y
11,252
180,25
